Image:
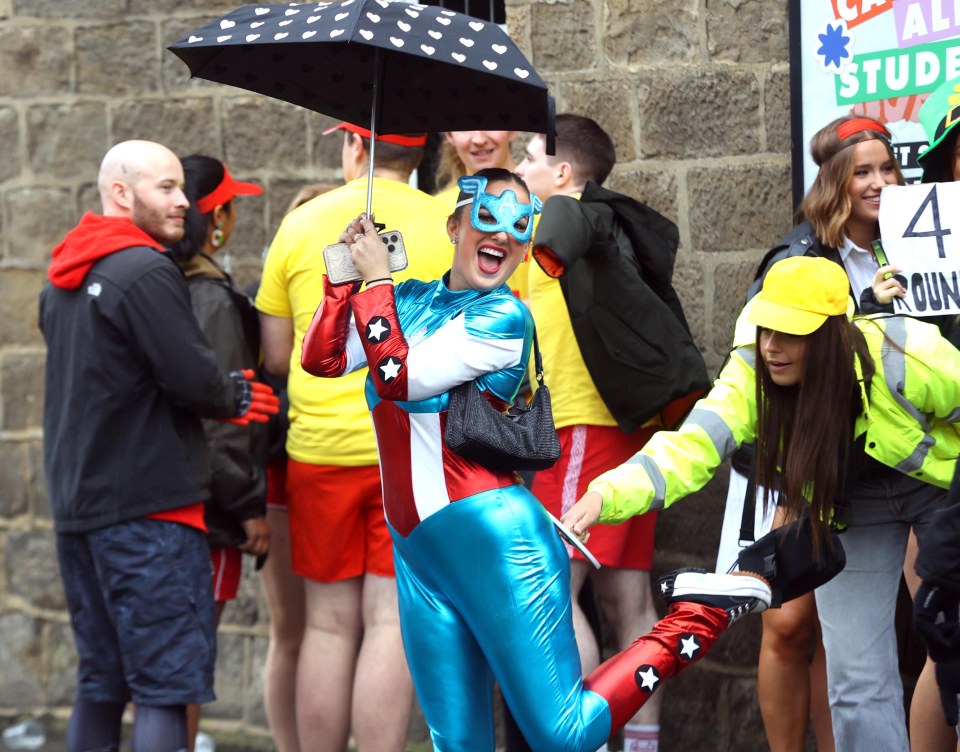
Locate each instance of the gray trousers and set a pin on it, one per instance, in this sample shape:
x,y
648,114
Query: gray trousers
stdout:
x,y
857,608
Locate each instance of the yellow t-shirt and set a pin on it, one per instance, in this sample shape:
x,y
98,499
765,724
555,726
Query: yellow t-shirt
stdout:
x,y
517,281
329,421
574,397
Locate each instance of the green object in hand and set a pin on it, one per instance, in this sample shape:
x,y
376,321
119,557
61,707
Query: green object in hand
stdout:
x,y
878,253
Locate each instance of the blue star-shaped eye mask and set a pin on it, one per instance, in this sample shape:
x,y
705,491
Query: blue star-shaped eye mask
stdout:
x,y
501,213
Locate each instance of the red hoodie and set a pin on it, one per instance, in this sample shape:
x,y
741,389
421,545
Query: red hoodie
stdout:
x,y
93,238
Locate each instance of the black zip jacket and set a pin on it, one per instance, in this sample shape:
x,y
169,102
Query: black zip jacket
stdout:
x,y
128,374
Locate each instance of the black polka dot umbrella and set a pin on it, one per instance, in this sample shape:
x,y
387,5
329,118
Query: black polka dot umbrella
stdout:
x,y
399,66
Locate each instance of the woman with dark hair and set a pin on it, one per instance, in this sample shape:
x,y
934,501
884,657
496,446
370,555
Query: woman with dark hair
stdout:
x,y
825,400
838,219
235,513
482,576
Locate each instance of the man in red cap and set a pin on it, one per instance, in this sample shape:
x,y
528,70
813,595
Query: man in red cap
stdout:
x,y
352,672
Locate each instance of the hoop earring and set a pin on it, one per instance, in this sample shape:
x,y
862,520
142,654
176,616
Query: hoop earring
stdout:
x,y
217,237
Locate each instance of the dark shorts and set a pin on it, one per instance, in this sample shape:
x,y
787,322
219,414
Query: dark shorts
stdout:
x,y
142,610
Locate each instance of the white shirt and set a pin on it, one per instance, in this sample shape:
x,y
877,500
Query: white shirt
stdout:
x,y
860,267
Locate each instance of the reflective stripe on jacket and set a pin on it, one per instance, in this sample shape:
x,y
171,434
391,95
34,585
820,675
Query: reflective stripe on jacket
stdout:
x,y
909,420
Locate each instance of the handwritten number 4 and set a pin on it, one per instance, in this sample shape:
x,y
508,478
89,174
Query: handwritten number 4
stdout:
x,y
938,232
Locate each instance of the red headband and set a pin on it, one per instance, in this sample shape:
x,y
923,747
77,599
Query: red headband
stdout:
x,y
227,189
857,125
418,139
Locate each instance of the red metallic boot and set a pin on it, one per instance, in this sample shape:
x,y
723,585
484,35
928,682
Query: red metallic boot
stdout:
x,y
702,606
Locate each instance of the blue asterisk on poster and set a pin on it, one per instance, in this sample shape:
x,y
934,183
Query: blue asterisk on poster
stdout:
x,y
833,45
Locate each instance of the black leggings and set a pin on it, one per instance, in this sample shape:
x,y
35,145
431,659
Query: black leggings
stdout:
x,y
96,726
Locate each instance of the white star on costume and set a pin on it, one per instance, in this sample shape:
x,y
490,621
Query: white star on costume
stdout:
x,y
376,328
664,587
689,646
647,679
390,369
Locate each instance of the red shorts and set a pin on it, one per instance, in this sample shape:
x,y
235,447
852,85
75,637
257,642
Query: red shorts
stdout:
x,y
227,565
586,452
276,484
337,527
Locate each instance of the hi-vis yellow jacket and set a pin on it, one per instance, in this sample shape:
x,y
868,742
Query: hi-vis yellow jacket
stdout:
x,y
910,419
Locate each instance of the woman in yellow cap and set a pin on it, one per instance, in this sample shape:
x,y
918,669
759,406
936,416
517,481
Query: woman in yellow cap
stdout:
x,y
838,219
822,397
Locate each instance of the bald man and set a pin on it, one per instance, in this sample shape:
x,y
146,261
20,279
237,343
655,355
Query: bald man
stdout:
x,y
128,376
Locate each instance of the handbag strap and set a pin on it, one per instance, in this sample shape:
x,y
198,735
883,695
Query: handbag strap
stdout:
x,y
537,358
748,519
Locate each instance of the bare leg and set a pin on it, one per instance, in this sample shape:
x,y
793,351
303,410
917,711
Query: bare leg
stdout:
x,y
586,640
383,689
327,662
284,594
929,731
819,701
783,676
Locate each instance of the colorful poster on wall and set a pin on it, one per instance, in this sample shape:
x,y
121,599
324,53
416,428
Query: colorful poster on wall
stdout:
x,y
877,58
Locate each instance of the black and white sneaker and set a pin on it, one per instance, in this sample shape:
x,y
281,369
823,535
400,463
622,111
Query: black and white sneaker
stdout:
x,y
737,594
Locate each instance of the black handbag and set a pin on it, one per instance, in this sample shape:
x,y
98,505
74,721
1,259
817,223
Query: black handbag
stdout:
x,y
785,556
523,438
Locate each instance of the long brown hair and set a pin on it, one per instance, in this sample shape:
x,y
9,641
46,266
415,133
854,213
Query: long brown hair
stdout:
x,y
827,204
805,431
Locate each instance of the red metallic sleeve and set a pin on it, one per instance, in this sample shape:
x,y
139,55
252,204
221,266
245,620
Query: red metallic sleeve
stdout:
x,y
323,345
375,314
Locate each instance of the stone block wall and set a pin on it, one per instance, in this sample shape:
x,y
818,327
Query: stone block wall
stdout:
x,y
694,92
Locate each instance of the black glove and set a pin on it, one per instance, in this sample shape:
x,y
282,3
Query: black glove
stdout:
x,y
936,618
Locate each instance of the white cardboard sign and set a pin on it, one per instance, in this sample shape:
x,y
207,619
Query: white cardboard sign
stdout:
x,y
920,229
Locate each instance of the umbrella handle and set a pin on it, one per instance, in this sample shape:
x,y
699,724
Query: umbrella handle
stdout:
x,y
377,81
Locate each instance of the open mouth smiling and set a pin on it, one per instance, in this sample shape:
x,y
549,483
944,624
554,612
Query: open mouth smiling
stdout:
x,y
490,259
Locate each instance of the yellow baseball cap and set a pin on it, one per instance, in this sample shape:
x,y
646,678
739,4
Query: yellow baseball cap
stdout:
x,y
799,293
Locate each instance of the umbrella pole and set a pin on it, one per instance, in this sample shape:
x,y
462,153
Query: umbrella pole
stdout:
x,y
377,80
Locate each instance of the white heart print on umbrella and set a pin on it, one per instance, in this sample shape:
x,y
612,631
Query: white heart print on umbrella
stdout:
x,y
346,23
439,69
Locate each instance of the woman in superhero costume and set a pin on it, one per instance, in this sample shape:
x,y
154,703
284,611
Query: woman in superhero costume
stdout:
x,y
483,577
